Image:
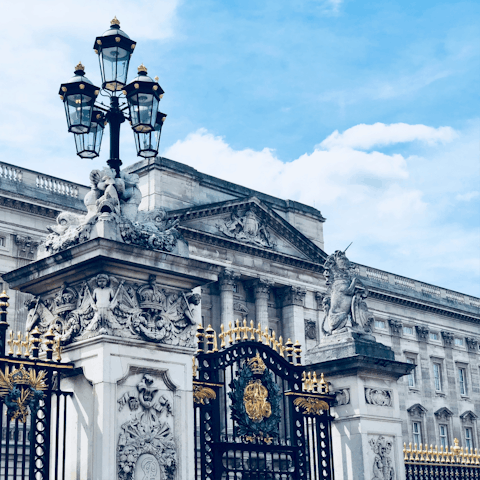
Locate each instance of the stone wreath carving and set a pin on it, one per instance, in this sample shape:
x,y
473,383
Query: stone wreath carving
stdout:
x,y
344,304
381,398
146,447
112,212
382,463
247,228
106,305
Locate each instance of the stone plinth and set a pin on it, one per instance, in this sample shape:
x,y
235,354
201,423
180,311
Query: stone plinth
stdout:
x,y
367,430
126,317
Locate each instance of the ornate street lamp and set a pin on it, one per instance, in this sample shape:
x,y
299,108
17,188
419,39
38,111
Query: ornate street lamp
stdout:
x,y
147,143
140,98
88,144
114,49
143,96
78,96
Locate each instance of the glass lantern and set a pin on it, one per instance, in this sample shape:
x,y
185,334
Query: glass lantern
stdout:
x,y
143,95
78,96
147,143
88,144
114,49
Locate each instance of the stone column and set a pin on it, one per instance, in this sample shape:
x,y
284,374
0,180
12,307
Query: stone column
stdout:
x,y
293,322
261,290
319,296
226,281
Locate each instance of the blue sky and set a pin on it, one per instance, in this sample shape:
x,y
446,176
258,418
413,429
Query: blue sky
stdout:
x,y
367,110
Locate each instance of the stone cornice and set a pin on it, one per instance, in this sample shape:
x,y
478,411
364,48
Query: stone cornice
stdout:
x,y
391,298
193,234
27,207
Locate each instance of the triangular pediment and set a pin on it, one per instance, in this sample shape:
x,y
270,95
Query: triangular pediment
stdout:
x,y
249,221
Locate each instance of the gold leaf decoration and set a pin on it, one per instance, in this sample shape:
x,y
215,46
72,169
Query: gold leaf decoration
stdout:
x,y
311,405
19,387
200,394
255,401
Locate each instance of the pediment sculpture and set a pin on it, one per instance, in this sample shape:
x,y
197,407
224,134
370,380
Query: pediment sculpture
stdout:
x,y
247,228
113,202
344,304
104,304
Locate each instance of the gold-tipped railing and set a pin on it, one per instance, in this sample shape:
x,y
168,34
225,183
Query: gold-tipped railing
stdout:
x,y
311,384
455,455
207,339
30,344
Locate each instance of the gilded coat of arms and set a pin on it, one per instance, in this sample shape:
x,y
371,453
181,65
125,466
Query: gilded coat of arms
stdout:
x,y
255,401
21,389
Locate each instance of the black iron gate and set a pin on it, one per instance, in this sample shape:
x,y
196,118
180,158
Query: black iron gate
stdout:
x,y
33,408
258,416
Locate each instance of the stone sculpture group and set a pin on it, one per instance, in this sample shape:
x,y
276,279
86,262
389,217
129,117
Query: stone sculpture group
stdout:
x,y
105,305
112,206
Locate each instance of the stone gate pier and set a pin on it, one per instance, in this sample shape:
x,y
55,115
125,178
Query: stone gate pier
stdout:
x,y
117,290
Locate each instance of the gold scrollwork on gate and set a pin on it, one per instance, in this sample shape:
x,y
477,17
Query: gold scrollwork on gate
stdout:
x,y
311,405
255,401
21,388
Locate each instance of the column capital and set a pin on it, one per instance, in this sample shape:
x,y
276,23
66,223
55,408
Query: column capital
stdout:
x,y
422,332
293,295
227,279
319,296
447,338
261,287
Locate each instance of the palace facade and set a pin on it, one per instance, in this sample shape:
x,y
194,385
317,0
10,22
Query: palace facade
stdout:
x,y
272,254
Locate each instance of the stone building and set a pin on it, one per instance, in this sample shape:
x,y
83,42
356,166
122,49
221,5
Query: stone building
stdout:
x,y
272,254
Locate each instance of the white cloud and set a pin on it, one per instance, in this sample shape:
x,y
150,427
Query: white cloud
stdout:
x,y
466,197
394,219
365,137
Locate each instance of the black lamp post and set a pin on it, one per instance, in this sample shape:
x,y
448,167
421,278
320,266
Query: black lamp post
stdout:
x,y
86,119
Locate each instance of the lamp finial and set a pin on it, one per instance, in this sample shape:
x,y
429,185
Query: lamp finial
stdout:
x,y
115,21
142,69
79,68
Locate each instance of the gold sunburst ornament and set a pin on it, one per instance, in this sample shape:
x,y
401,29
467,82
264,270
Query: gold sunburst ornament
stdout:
x,y
21,389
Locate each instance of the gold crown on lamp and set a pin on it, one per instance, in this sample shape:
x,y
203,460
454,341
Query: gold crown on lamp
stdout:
x,y
257,365
79,67
115,21
142,68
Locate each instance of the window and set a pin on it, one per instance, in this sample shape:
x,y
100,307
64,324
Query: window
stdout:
x,y
417,433
380,324
3,242
235,288
443,430
408,330
462,379
437,376
434,336
469,438
459,342
411,375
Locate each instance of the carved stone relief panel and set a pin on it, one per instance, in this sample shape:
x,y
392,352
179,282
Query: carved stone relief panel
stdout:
x,y
378,397
104,304
342,397
382,459
146,444
311,329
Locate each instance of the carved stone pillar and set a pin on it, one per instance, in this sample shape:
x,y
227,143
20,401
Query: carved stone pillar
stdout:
x,y
319,296
226,281
293,321
261,291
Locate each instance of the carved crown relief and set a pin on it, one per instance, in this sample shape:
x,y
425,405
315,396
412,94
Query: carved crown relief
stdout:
x,y
247,227
104,304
